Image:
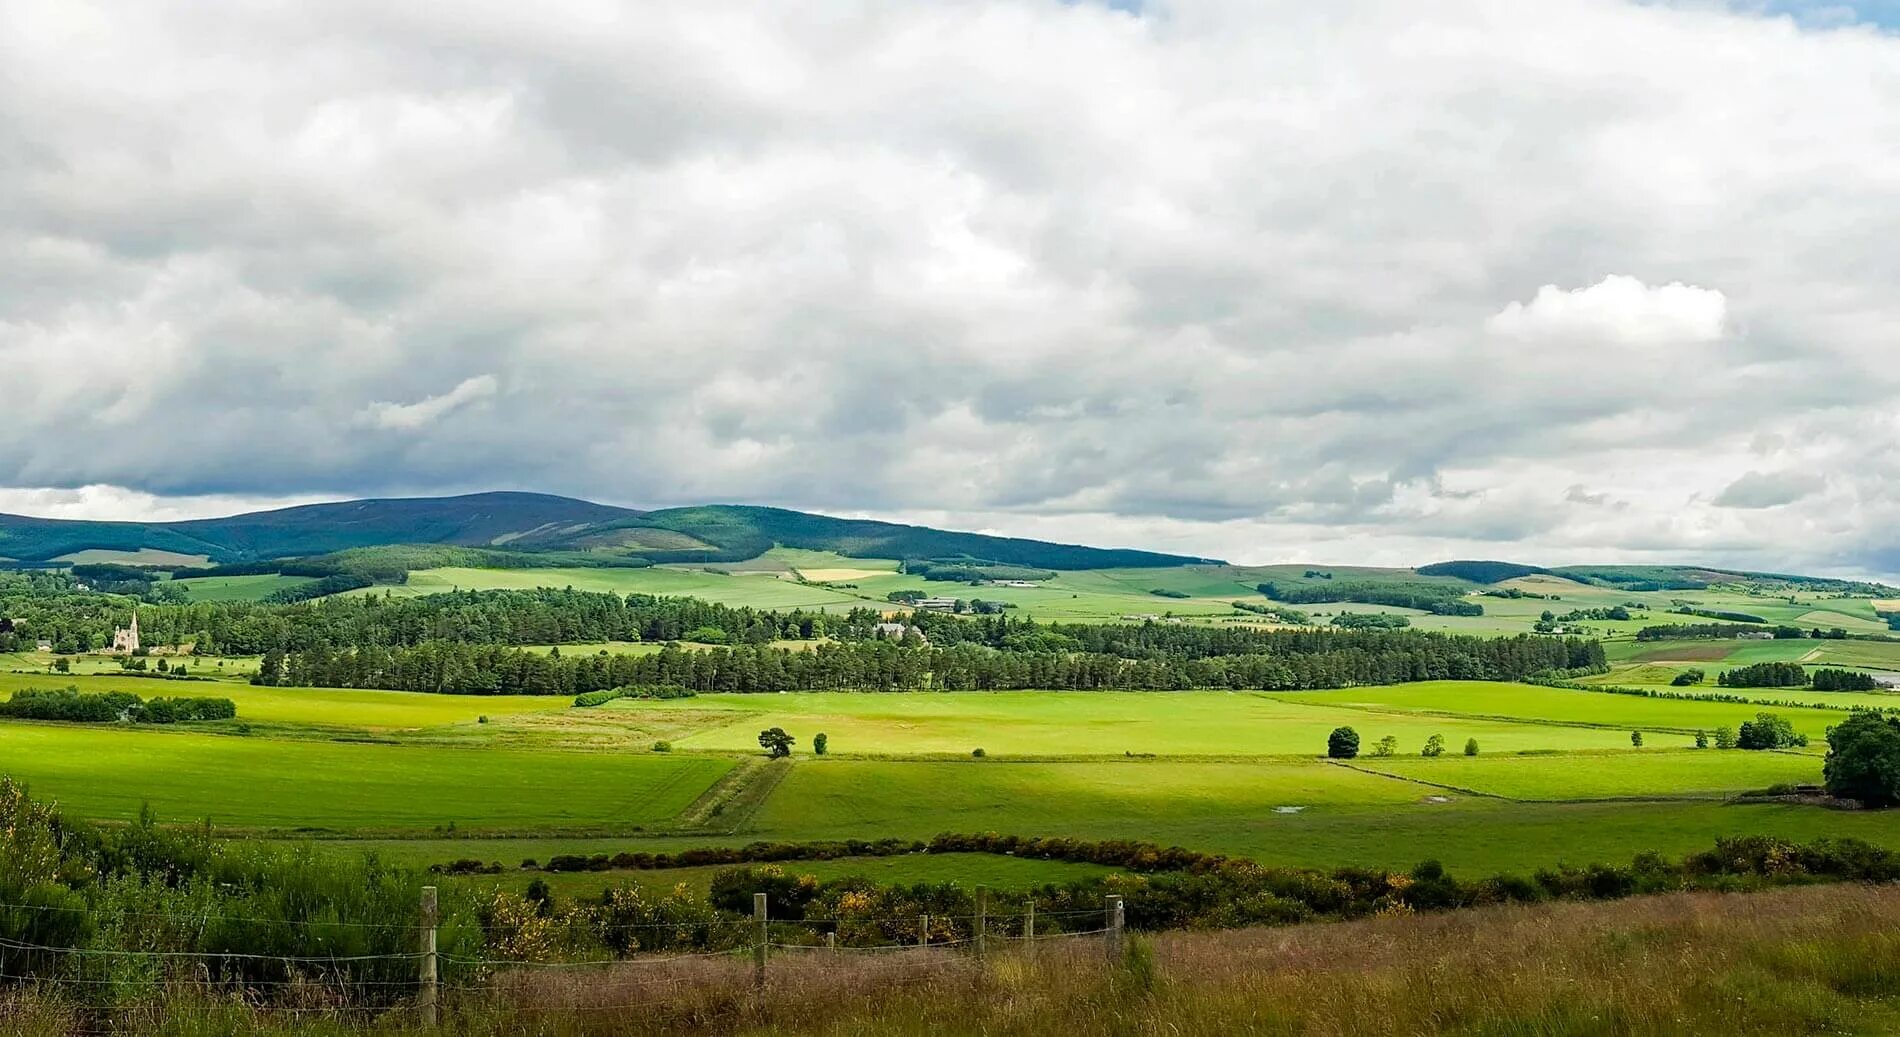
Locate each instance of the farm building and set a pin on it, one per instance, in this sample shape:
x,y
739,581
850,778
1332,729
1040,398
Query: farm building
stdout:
x,y
941,604
897,631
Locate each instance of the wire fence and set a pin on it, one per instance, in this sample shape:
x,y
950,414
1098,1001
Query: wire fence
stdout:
x,y
86,978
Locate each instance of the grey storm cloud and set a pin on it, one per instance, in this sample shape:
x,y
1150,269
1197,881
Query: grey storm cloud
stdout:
x,y
1357,281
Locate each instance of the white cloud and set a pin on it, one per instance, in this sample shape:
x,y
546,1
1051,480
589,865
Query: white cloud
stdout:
x,y
117,504
1365,278
430,409
1617,311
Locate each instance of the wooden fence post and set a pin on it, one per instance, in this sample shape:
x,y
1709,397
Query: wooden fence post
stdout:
x,y
758,950
426,995
923,932
982,920
1029,930
1116,920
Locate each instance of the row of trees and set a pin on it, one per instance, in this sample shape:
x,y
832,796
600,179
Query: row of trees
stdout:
x,y
1765,675
52,610
74,706
1343,744
1335,659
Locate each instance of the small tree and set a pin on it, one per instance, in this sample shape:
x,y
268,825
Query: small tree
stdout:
x,y
1387,746
1636,739
776,742
1701,739
1768,731
1434,746
1342,744
1725,738
978,753
819,743
1471,747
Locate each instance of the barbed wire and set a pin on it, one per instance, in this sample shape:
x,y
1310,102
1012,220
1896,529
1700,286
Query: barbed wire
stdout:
x,y
105,952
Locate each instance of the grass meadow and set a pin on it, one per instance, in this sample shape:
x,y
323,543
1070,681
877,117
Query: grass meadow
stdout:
x,y
1241,773
346,786
1063,724
1625,775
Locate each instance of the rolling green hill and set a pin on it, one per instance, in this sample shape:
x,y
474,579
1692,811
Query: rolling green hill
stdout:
x,y
532,523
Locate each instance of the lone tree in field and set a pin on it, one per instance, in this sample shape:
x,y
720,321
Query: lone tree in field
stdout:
x,y
1701,739
819,743
1471,747
1636,739
1768,731
1725,738
1434,746
1387,746
1343,743
776,742
1863,759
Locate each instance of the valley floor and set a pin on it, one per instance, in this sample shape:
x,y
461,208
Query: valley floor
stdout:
x,y
427,779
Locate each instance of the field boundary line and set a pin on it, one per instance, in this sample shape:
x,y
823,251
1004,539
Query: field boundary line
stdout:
x,y
745,787
1711,796
1441,714
1421,781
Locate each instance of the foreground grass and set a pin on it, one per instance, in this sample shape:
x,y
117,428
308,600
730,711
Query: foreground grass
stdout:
x,y
1809,960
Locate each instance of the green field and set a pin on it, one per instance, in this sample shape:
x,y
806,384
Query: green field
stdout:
x,y
1658,718
241,588
274,783
785,578
759,590
1235,772
1045,724
1627,775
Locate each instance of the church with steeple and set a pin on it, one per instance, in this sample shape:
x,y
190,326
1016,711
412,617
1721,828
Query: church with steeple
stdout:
x,y
126,639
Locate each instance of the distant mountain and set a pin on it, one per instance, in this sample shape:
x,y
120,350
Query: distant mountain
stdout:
x,y
533,522
1645,577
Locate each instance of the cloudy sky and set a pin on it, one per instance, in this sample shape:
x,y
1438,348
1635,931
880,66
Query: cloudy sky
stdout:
x,y
1385,282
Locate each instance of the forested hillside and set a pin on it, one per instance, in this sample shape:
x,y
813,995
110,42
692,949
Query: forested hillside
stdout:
x,y
534,525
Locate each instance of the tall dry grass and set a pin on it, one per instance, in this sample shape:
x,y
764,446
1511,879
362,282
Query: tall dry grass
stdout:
x,y
1822,959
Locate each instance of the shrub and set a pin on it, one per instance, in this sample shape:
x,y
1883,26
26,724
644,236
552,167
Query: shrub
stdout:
x,y
978,753
1724,738
1701,739
1636,739
1434,746
1387,746
1689,677
1342,744
819,744
1471,747
662,746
